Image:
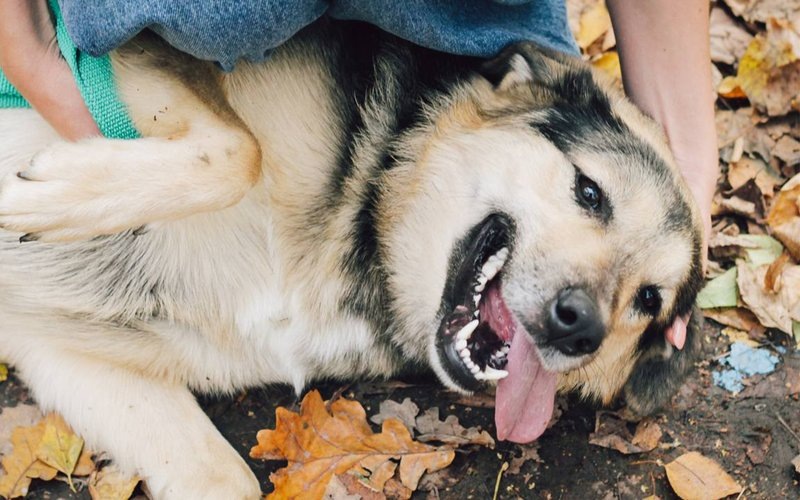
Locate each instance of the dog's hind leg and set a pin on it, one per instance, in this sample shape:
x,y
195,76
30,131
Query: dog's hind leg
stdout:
x,y
196,155
150,427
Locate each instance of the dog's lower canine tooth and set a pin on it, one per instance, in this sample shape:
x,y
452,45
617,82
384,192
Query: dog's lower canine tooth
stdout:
x,y
465,332
461,344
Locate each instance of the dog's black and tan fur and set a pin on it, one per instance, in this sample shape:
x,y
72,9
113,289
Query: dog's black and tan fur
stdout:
x,y
324,214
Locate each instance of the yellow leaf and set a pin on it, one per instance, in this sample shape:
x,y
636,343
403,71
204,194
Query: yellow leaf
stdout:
x,y
21,465
608,63
110,484
769,71
729,88
319,443
3,372
59,447
594,23
693,476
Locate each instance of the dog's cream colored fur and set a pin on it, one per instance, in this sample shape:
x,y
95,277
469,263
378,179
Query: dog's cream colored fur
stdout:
x,y
234,285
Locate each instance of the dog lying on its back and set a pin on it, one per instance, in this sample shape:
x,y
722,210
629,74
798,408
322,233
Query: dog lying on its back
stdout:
x,y
353,207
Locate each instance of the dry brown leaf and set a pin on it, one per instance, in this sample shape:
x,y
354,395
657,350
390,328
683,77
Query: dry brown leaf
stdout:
x,y
739,318
773,310
648,435
769,71
742,126
405,412
746,168
611,431
788,150
763,10
319,444
796,463
784,217
693,476
22,465
449,431
19,416
772,278
728,40
110,484
729,88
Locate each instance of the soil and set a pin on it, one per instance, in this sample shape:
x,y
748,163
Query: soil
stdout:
x,y
754,435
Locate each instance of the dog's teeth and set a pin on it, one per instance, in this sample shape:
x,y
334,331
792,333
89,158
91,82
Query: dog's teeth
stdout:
x,y
492,374
477,313
464,352
505,349
477,299
479,375
482,280
502,254
465,332
491,267
475,370
461,344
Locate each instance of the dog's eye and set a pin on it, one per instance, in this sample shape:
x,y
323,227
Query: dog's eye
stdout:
x,y
588,193
648,300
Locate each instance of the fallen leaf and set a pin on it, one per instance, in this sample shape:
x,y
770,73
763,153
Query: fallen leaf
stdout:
x,y
405,412
318,444
693,476
529,453
784,217
340,488
18,416
796,463
772,278
59,446
758,449
729,88
787,149
722,291
3,372
745,169
774,310
609,64
110,484
22,465
763,10
594,23
449,431
647,435
728,41
769,71
611,431
737,317
735,335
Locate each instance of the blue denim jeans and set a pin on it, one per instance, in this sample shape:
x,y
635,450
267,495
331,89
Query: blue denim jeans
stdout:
x,y
226,31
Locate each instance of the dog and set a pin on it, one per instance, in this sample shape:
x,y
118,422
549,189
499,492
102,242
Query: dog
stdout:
x,y
353,207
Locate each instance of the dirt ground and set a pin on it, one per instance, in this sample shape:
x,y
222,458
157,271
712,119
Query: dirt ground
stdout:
x,y
753,435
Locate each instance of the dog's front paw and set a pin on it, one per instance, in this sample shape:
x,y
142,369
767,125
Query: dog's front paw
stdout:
x,y
223,478
63,194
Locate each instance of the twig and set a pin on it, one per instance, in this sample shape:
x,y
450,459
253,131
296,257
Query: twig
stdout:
x,y
741,492
783,422
499,476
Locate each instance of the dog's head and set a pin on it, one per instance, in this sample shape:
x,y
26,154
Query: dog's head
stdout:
x,y
541,237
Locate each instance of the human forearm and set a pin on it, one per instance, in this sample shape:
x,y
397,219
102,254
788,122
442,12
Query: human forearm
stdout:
x,y
666,70
30,60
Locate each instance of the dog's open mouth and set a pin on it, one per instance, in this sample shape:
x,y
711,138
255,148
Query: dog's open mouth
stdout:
x,y
478,342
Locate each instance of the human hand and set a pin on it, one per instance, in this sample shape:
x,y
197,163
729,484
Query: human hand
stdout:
x,y
31,61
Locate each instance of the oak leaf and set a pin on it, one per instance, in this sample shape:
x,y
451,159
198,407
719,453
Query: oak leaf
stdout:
x,y
111,484
450,431
320,442
784,217
693,476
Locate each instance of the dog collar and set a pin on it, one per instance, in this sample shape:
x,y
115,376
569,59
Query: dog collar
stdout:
x,y
95,79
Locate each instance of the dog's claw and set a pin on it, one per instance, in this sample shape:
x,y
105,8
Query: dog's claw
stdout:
x,y
141,230
28,237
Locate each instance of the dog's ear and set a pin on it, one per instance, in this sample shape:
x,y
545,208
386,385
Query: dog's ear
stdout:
x,y
662,369
523,62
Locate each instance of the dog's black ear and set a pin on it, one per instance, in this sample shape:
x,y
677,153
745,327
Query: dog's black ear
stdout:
x,y
522,62
662,369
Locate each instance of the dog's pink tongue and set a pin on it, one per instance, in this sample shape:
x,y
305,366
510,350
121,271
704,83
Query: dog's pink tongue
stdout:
x,y
524,401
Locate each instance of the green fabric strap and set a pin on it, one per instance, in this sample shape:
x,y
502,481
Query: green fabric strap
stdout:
x,y
95,79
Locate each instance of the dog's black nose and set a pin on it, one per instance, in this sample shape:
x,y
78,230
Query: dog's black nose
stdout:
x,y
574,326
